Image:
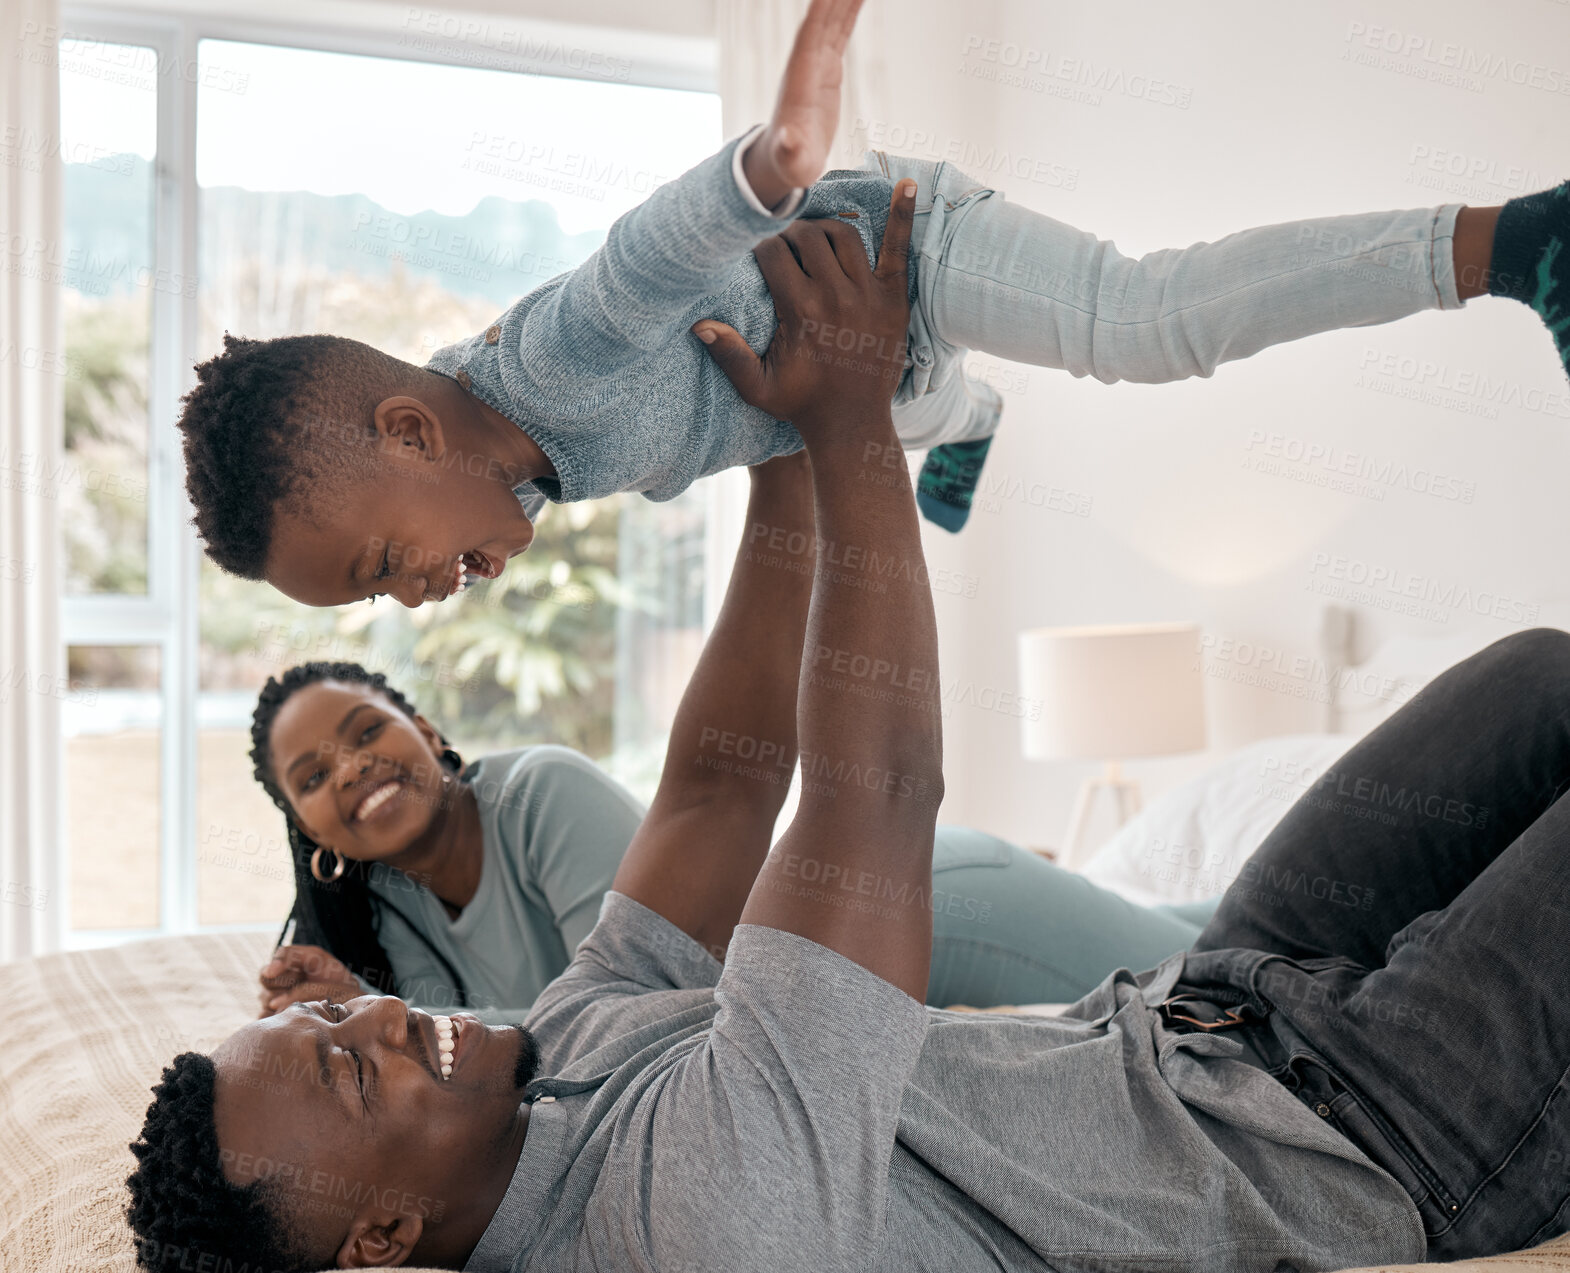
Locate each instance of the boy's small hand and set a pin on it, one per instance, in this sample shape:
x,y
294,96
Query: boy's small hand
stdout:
x,y
840,342
794,149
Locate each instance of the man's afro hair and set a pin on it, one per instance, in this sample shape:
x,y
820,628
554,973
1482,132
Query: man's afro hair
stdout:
x,y
184,1212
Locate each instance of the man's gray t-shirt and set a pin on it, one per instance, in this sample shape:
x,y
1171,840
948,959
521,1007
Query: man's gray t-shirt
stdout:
x,y
790,1110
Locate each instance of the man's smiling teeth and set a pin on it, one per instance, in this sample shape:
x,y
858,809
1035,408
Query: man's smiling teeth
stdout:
x,y
377,799
446,1039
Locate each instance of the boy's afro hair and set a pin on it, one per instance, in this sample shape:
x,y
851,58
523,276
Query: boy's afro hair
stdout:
x,y
269,418
184,1212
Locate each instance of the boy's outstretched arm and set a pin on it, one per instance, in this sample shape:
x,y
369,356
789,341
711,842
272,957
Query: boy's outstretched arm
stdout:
x,y
793,150
686,239
854,870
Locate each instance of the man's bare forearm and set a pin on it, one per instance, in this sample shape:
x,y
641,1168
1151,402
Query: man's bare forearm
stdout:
x,y
870,666
734,735
854,870
733,743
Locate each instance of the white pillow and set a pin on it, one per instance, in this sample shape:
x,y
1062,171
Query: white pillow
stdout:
x,y
1191,843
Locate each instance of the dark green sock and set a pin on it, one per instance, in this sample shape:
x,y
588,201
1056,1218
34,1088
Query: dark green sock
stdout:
x,y
948,481
1531,259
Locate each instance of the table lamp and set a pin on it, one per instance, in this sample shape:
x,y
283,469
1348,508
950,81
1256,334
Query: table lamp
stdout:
x,y
1110,693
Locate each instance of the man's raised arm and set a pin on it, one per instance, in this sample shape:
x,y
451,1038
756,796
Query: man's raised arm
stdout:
x,y
854,870
770,1143
733,743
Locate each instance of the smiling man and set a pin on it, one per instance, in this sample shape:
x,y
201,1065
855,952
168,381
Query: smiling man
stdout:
x,y
736,1072
363,1123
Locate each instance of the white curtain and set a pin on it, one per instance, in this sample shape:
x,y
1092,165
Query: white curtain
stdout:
x,y
32,340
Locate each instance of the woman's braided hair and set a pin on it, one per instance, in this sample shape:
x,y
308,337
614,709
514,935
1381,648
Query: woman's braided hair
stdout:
x,y
337,916
184,1212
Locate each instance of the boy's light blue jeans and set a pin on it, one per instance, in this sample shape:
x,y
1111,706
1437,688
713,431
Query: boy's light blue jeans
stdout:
x,y
1009,927
996,277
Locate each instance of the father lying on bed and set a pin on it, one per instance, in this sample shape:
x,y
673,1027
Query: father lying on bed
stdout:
x,y
1292,1096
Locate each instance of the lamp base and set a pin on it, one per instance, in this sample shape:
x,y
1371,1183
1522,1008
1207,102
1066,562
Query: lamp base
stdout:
x,y
1125,792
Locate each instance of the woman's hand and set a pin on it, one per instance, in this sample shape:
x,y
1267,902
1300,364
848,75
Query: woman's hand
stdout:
x,y
793,149
840,343
301,974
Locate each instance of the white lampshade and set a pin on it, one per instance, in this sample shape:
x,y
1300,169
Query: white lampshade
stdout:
x,y
1112,693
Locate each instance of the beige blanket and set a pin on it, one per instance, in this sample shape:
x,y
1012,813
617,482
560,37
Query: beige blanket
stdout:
x,y
86,1035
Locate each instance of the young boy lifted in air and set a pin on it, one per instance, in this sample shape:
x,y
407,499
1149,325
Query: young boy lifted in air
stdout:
x,y
298,448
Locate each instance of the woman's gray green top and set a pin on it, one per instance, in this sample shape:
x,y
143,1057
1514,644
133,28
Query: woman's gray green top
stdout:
x,y
555,828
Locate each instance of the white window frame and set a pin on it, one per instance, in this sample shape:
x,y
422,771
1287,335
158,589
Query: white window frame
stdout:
x,y
168,616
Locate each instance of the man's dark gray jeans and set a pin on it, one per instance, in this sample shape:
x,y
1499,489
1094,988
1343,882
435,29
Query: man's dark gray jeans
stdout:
x,y
1400,947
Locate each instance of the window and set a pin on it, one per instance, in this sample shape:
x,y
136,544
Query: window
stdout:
x,y
403,203
108,315
112,721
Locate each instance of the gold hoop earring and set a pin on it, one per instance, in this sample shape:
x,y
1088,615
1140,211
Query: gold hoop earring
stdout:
x,y
316,864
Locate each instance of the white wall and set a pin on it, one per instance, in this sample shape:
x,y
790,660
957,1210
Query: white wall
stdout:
x,y
1282,123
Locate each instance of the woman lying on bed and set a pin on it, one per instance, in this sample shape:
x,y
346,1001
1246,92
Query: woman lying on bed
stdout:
x,y
472,886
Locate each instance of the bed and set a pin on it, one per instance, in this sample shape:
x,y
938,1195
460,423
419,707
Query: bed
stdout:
x,y
87,1033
